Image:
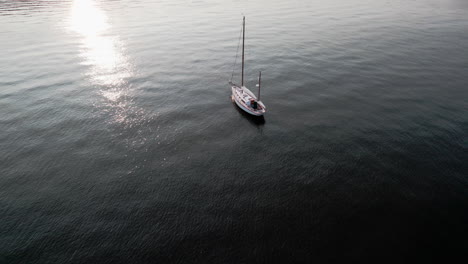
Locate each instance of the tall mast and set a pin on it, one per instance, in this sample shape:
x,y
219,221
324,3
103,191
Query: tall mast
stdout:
x,y
259,84
243,44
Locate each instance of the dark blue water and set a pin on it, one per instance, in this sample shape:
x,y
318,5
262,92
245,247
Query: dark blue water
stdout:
x,y
119,142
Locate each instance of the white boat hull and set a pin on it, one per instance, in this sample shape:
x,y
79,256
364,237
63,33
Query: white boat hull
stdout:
x,y
242,96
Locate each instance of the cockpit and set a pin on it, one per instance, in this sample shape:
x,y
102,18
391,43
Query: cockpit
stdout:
x,y
253,104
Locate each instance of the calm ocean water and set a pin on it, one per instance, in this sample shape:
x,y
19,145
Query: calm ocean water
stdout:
x,y
119,142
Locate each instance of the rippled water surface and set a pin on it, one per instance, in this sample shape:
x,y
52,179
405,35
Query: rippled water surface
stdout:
x,y
119,142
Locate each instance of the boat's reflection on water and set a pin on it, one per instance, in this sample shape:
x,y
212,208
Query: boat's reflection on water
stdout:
x,y
258,121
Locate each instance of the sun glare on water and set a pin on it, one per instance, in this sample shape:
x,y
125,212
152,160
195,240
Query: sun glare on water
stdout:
x,y
100,50
109,68
87,19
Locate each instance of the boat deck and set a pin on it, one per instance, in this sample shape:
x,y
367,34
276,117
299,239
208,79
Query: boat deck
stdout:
x,y
243,96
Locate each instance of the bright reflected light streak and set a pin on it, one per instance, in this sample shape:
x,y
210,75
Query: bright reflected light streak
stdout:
x,y
100,51
87,19
109,67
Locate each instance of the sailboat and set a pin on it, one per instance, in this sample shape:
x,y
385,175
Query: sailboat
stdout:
x,y
243,97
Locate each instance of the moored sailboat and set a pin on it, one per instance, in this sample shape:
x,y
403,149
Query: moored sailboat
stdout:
x,y
241,95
